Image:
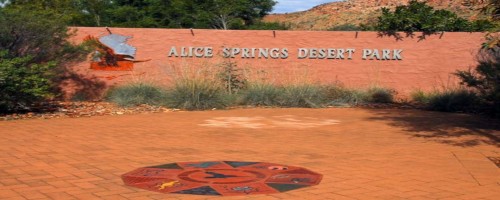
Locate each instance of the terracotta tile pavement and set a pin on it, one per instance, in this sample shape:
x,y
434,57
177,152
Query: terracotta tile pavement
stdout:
x,y
362,153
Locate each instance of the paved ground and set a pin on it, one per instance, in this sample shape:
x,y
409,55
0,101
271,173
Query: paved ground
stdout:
x,y
363,154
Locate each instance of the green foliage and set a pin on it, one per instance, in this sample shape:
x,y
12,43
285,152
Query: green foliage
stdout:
x,y
248,11
492,41
485,78
422,97
204,93
39,34
380,95
196,94
137,94
266,94
22,82
33,43
187,93
452,100
338,96
449,100
311,96
420,17
483,25
301,95
261,94
220,14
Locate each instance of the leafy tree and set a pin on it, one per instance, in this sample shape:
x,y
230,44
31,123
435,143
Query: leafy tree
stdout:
x,y
221,14
92,9
225,13
39,34
23,82
68,10
231,14
485,78
418,16
255,9
31,43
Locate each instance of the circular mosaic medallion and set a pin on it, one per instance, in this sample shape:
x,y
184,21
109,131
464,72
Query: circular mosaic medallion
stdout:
x,y
226,178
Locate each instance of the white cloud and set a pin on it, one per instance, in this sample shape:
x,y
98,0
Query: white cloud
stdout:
x,y
286,6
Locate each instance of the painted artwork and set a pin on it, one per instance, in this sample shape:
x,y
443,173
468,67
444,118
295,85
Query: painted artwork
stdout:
x,y
221,178
112,52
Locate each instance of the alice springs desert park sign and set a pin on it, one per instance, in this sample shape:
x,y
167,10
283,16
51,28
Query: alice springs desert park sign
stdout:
x,y
353,59
285,53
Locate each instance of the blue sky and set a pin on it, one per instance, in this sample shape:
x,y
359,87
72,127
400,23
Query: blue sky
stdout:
x,y
287,6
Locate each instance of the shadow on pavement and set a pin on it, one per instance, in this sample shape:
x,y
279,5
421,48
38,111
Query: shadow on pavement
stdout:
x,y
448,128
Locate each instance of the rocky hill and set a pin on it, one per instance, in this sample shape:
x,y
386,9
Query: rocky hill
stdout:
x,y
332,14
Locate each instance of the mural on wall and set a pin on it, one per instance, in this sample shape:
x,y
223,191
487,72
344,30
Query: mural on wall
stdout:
x,y
112,53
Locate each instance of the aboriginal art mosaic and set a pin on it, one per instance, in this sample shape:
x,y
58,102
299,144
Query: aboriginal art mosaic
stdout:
x,y
221,178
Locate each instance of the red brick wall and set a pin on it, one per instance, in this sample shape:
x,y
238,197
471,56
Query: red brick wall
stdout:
x,y
426,64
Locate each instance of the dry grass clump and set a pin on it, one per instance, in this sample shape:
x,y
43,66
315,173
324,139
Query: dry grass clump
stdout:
x,y
448,100
218,86
135,94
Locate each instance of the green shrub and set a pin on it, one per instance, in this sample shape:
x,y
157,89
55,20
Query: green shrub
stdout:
x,y
261,94
39,34
137,94
419,17
197,94
33,43
421,97
302,95
452,100
266,94
485,78
380,95
22,82
337,95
